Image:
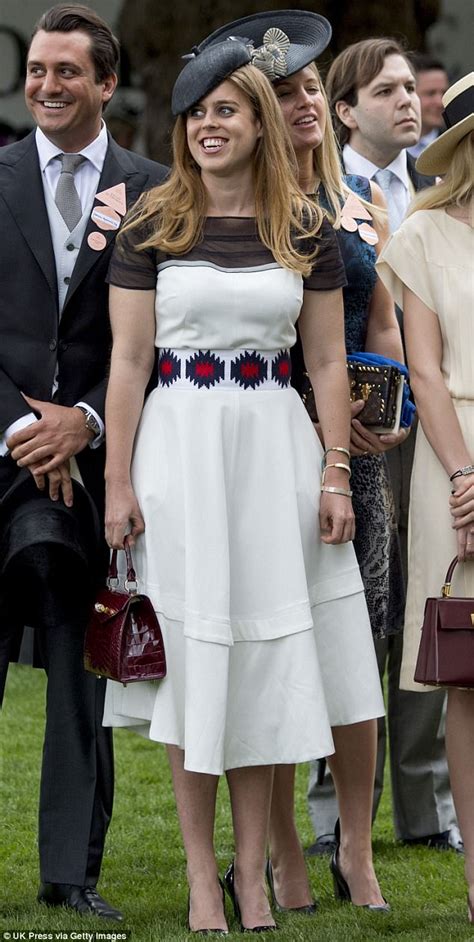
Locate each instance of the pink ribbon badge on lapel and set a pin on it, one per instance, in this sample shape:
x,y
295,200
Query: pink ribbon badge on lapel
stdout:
x,y
105,217
353,210
115,197
96,241
108,215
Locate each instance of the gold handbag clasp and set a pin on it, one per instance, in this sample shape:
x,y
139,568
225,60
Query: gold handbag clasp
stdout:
x,y
364,390
446,590
104,609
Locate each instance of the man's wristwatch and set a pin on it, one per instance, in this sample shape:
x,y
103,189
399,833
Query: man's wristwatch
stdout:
x,y
91,421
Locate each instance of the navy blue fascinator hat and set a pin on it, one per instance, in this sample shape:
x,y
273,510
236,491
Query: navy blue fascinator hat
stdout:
x,y
278,43
206,70
283,41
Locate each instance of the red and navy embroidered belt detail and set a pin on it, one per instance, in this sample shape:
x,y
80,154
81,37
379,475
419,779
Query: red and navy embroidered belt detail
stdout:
x,y
204,369
245,369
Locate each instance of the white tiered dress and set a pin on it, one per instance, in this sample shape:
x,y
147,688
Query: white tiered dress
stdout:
x,y
266,630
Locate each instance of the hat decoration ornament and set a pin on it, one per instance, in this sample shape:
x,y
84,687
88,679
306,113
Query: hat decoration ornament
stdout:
x,y
196,51
270,57
192,55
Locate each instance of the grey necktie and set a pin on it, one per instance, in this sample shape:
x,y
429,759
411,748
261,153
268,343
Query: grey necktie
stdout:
x,y
67,198
384,180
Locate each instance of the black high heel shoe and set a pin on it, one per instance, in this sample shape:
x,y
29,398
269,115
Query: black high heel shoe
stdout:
x,y
229,883
309,910
208,931
341,887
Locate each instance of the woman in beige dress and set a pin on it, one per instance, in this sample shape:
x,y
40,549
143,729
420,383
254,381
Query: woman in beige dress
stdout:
x,y
428,265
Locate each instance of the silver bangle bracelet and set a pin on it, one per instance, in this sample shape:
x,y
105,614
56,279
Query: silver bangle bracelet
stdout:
x,y
336,490
335,464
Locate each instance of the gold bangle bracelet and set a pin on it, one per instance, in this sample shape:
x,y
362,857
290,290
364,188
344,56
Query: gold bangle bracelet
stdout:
x,y
336,490
344,451
335,464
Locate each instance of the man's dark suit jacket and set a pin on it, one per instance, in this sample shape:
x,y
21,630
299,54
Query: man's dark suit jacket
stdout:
x,y
33,339
419,180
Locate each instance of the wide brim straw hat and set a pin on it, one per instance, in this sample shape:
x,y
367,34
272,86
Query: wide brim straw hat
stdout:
x,y
458,103
308,33
278,43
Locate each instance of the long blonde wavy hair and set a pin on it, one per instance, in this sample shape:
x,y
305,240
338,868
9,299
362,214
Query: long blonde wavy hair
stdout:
x,y
174,212
457,186
327,162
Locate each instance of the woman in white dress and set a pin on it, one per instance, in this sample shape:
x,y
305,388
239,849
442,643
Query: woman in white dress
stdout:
x,y
215,477
428,266
370,323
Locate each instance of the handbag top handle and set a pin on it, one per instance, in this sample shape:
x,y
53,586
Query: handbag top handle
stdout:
x,y
446,588
131,580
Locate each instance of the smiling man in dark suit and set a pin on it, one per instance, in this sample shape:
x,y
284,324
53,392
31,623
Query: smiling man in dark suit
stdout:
x,y
63,192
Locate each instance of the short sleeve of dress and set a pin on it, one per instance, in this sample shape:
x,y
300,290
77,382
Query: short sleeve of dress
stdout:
x,y
403,261
328,271
130,267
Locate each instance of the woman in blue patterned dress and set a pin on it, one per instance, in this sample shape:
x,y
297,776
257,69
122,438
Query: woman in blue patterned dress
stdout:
x,y
370,324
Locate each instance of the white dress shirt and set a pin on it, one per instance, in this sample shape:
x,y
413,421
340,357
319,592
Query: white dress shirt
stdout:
x,y
87,175
400,187
86,179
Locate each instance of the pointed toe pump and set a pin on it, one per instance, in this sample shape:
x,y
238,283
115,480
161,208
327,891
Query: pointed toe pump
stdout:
x,y
208,931
341,887
308,910
229,882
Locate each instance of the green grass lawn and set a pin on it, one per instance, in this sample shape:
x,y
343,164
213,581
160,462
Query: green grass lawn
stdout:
x,y
144,873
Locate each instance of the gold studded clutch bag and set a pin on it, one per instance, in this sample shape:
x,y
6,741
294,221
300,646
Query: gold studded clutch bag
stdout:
x,y
380,388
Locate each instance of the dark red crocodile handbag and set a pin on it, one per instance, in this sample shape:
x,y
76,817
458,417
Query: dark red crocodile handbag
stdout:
x,y
123,639
446,654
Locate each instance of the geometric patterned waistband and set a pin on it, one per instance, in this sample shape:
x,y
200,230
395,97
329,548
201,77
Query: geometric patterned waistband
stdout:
x,y
236,369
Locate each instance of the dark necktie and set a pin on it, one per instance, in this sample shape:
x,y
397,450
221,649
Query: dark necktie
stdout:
x,y
67,198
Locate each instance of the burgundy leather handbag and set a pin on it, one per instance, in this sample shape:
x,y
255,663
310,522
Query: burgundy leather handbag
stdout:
x,y
446,654
123,639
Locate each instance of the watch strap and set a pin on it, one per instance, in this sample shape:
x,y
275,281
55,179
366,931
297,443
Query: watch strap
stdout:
x,y
91,422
